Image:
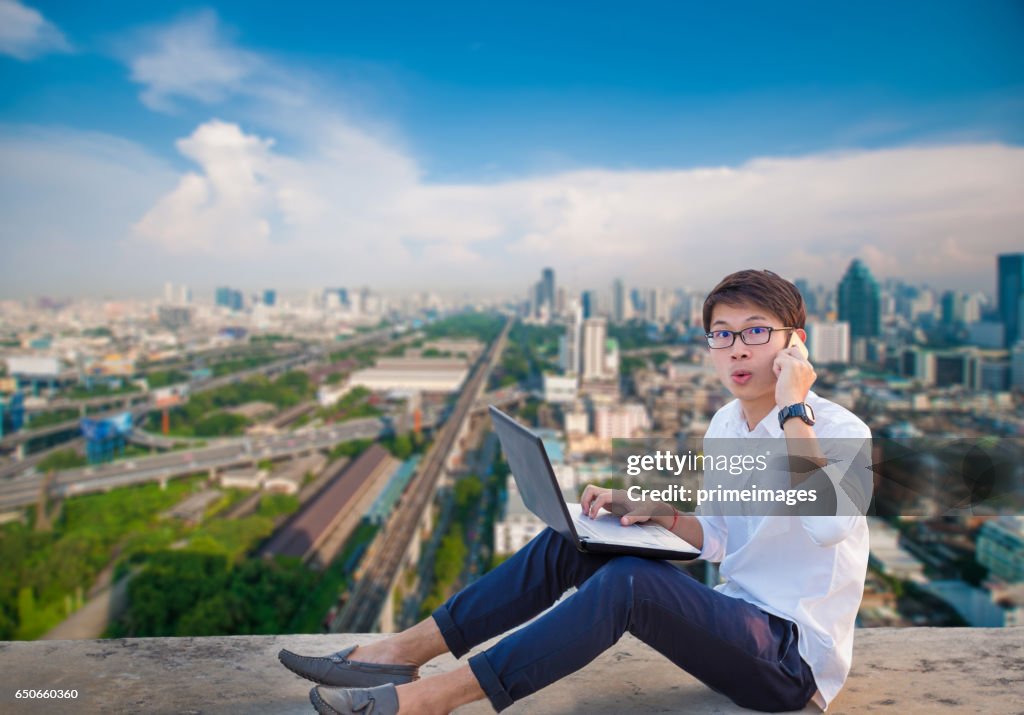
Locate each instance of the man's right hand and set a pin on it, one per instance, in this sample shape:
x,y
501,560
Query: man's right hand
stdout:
x,y
616,501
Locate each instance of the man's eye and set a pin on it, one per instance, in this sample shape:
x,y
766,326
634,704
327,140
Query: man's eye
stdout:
x,y
756,331
723,334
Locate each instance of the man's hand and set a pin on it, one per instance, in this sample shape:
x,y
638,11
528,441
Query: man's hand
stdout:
x,y
794,374
617,501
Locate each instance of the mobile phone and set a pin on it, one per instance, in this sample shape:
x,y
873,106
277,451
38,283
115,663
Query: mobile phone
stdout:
x,y
794,339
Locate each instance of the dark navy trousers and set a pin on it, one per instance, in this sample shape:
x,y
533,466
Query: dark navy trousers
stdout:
x,y
731,645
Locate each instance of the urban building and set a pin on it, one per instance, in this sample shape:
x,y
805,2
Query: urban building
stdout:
x,y
1011,296
1000,548
828,341
620,421
560,389
859,301
595,337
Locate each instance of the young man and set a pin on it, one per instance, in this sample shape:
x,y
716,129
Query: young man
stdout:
x,y
775,635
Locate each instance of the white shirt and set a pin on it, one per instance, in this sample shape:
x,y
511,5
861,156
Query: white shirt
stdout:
x,y
808,569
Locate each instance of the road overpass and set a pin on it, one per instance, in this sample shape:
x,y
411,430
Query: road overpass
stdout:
x,y
23,491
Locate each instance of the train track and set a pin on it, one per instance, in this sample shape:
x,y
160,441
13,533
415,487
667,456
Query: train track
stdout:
x,y
363,607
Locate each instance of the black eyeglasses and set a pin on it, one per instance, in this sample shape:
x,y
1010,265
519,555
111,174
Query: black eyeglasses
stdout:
x,y
757,335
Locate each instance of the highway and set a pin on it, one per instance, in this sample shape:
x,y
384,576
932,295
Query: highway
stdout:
x,y
313,354
23,491
363,607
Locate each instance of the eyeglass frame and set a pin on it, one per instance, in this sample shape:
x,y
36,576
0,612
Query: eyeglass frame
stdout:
x,y
769,328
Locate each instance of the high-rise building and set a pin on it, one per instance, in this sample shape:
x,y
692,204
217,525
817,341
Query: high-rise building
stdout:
x,y
588,300
269,297
222,297
954,304
595,334
175,294
1017,366
859,301
548,295
1011,296
810,298
571,341
828,341
618,301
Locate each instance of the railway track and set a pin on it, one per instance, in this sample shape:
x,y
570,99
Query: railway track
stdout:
x,y
363,608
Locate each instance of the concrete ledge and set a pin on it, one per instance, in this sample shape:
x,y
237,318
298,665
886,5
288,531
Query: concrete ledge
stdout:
x,y
921,670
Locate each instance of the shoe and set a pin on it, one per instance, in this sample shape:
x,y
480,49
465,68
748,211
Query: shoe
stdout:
x,y
338,671
382,700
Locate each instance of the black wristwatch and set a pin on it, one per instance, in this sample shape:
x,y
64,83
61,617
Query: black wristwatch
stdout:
x,y
800,409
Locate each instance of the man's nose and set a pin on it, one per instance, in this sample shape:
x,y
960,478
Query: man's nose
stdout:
x,y
739,349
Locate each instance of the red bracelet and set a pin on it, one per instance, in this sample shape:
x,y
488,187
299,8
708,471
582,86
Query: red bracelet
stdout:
x,y
675,518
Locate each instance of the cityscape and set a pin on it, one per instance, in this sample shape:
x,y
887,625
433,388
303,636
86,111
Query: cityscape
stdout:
x,y
337,444
265,271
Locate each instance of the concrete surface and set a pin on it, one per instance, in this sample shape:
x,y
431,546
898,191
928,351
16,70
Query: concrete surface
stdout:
x,y
922,670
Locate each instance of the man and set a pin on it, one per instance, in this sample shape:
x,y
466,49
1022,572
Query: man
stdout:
x,y
775,635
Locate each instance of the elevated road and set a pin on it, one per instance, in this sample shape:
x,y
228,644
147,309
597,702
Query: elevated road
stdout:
x,y
313,354
23,491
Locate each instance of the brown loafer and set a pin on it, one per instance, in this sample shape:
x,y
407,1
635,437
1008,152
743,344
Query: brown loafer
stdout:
x,y
382,700
338,671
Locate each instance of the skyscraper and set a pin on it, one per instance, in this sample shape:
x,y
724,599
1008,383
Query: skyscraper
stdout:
x,y
810,298
547,279
618,301
1011,296
859,301
589,301
595,334
570,341
223,297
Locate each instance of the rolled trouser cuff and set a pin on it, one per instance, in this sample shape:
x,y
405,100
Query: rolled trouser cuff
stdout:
x,y
449,631
489,682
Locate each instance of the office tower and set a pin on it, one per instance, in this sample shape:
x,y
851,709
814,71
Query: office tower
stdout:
x,y
859,301
223,297
571,341
636,302
954,305
1017,366
547,279
588,302
828,341
1011,296
237,300
810,299
618,301
595,333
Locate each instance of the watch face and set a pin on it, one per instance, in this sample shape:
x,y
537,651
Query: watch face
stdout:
x,y
810,412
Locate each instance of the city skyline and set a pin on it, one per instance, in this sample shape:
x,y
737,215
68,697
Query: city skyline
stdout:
x,y
228,146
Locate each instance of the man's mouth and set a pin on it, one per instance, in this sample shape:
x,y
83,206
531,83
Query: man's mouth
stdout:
x,y
741,377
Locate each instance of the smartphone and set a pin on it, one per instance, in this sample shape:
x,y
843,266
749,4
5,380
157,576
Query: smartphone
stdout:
x,y
794,339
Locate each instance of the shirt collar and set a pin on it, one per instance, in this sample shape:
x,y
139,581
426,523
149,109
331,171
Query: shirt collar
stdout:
x,y
769,424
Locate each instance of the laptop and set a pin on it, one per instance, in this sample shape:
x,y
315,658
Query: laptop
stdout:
x,y
538,486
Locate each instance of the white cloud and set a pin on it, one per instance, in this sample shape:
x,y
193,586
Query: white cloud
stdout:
x,y
189,59
298,194
26,34
929,213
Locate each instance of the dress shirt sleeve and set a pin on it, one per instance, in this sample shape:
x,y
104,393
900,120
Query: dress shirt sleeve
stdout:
x,y
843,486
716,531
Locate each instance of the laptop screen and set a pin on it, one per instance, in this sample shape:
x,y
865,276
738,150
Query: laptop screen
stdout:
x,y
533,474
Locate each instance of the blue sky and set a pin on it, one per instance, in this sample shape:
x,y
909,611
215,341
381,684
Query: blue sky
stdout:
x,y
520,135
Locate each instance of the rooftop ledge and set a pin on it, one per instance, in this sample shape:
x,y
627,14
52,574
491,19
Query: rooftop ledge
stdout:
x,y
926,670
